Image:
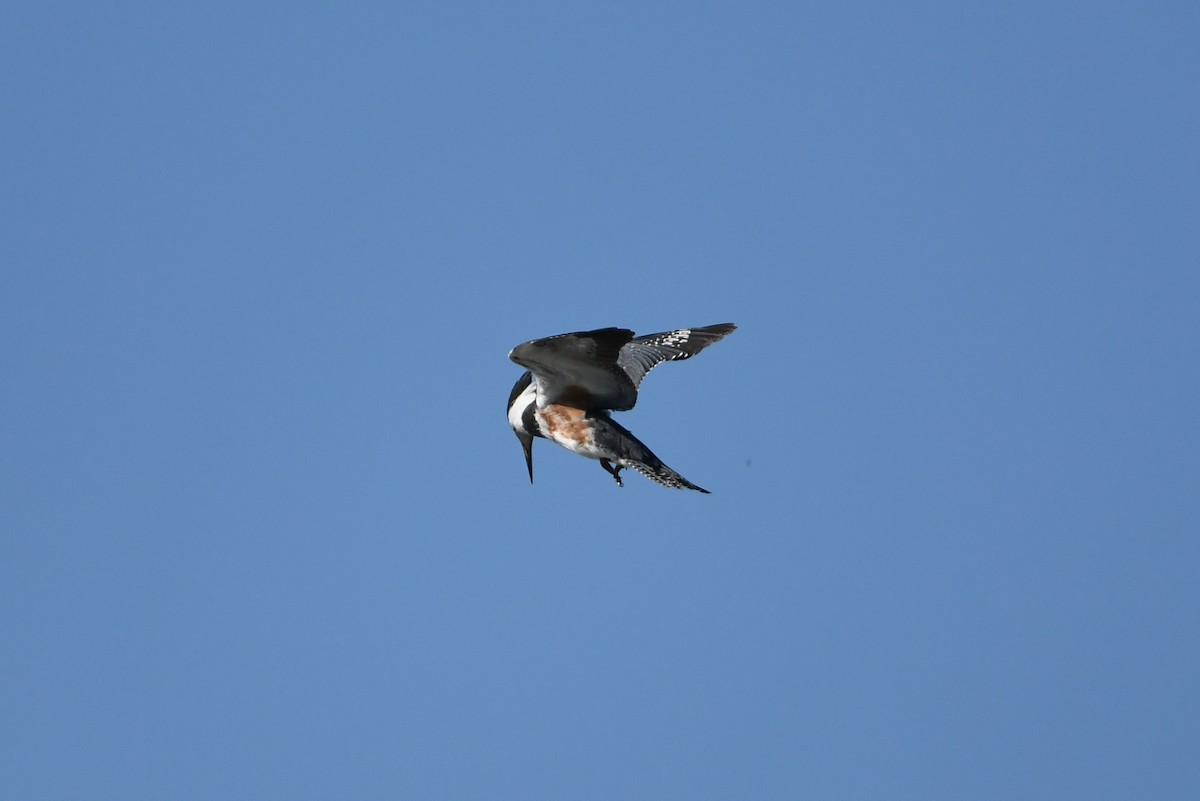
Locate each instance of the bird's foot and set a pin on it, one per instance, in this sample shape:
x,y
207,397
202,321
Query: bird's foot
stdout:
x,y
614,471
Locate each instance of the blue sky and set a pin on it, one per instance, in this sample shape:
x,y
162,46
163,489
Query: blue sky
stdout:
x,y
266,533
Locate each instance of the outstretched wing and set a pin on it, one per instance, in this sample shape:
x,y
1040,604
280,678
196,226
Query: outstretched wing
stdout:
x,y
643,354
580,369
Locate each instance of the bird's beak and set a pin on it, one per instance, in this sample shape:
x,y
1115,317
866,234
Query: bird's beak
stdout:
x,y
527,444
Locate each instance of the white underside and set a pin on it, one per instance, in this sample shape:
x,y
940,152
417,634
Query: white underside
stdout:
x,y
529,395
583,449
587,449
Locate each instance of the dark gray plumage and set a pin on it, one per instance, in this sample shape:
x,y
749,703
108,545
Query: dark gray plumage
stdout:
x,y
574,380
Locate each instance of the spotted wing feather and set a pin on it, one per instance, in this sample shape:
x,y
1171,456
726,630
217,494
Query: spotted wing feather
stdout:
x,y
643,354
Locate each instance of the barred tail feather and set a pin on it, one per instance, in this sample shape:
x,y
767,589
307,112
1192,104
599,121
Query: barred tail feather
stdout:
x,y
659,473
633,453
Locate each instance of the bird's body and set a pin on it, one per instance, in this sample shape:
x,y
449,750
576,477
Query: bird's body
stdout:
x,y
575,380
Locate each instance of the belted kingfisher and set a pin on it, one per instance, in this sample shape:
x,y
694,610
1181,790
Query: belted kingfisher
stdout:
x,y
574,380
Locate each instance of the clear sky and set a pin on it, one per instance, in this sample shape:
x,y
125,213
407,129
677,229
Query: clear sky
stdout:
x,y
264,530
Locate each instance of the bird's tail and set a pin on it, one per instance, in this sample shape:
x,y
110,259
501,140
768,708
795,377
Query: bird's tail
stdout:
x,y
633,453
656,471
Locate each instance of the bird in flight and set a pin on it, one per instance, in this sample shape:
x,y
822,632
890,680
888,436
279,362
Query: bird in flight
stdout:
x,y
573,381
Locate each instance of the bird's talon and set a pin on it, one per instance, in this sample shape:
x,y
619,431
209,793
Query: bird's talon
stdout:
x,y
615,471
